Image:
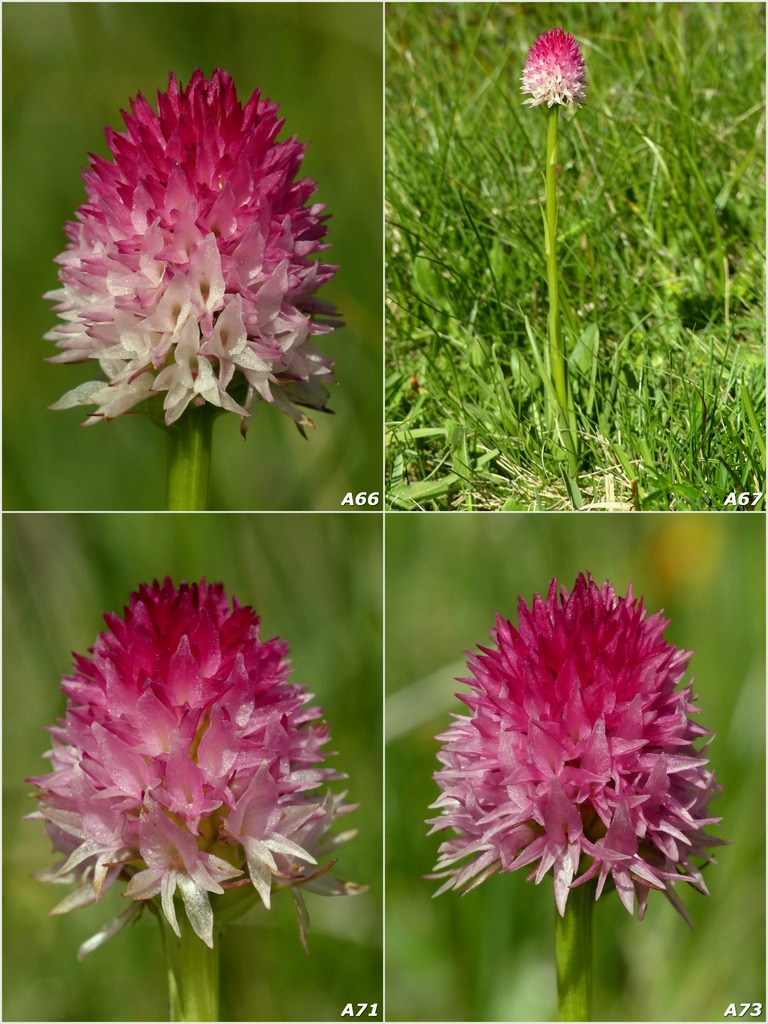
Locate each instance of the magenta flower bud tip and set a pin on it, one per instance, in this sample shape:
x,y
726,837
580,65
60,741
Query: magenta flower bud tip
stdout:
x,y
189,272
186,761
578,754
554,71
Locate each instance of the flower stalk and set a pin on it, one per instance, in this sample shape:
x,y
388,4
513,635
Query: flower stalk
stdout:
x,y
555,333
198,994
555,75
578,762
573,955
186,760
554,324
189,461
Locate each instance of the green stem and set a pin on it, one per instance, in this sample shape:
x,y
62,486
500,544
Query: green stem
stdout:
x,y
198,998
556,354
573,955
189,460
564,414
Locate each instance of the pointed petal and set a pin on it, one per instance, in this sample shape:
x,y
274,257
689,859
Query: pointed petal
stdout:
x,y
198,907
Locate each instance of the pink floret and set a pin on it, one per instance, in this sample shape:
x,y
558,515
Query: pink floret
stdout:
x,y
578,755
187,760
555,71
191,270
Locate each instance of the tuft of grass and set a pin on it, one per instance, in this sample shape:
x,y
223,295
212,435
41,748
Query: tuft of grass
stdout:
x,y
660,239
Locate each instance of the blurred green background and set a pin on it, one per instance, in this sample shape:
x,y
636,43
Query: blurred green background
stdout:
x,y
315,580
489,956
68,70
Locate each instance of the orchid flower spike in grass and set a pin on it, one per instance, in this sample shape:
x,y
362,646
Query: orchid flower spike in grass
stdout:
x,y
555,74
189,770
578,759
190,276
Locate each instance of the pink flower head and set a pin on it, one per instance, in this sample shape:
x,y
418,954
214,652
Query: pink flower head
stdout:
x,y
578,754
554,71
189,270
185,761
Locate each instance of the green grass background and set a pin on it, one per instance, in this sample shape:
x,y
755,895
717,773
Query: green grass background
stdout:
x,y
661,246
68,70
315,580
488,956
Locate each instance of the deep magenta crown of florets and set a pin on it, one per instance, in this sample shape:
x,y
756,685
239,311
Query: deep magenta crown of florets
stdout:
x,y
186,763
190,270
555,71
578,754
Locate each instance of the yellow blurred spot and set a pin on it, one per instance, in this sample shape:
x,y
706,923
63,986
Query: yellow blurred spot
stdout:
x,y
685,552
